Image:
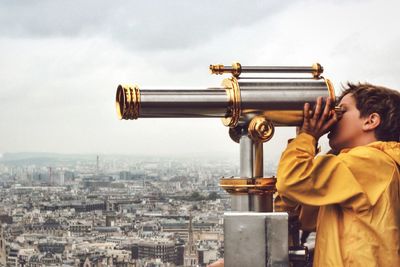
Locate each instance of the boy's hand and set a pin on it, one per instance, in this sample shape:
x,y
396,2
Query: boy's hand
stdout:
x,y
318,122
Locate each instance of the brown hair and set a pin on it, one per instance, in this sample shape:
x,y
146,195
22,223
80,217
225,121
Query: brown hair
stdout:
x,y
384,101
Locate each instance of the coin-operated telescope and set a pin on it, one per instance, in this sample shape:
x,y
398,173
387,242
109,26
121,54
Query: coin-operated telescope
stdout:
x,y
252,102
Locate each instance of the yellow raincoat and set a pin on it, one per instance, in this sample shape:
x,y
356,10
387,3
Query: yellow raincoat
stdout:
x,y
358,192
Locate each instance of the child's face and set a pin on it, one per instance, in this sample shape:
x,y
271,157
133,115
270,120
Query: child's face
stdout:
x,y
349,128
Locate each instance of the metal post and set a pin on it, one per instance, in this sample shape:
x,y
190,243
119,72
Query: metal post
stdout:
x,y
262,202
251,166
258,156
246,157
242,202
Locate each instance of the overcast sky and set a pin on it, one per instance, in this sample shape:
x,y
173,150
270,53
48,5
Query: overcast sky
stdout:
x,y
61,62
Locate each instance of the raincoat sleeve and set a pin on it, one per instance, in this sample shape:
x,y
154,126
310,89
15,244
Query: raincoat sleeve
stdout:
x,y
318,181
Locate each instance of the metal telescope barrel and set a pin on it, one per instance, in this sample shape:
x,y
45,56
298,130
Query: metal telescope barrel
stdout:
x,y
174,103
281,101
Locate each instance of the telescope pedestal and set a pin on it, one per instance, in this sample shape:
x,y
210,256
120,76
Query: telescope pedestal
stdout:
x,y
254,235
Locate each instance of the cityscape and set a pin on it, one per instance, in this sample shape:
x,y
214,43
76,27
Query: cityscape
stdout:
x,y
91,210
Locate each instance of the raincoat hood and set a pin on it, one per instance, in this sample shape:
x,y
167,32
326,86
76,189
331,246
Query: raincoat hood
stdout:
x,y
390,148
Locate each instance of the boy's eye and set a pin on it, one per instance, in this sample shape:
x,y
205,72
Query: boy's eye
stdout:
x,y
339,109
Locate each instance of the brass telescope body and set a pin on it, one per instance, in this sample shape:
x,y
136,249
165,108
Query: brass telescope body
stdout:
x,y
251,106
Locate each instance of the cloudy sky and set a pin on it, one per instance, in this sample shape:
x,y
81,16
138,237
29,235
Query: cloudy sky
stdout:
x,y
61,62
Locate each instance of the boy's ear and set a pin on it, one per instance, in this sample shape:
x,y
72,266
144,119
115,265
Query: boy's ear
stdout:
x,y
371,122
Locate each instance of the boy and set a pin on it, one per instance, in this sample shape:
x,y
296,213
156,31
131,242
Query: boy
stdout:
x,y
357,189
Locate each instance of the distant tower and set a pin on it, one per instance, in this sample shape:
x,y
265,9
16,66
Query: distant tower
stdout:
x,y
62,177
30,178
190,258
50,176
97,165
190,231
